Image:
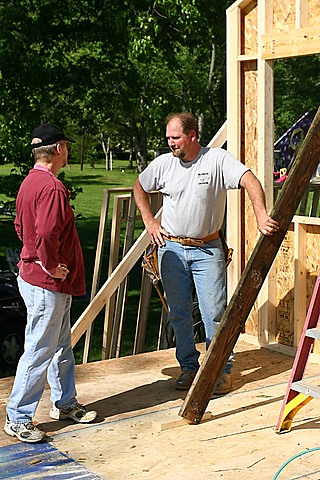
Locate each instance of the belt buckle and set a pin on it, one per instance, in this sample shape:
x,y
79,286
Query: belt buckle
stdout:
x,y
198,242
191,242
182,240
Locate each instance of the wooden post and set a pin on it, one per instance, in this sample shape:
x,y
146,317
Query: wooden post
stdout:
x,y
123,287
143,313
113,262
253,277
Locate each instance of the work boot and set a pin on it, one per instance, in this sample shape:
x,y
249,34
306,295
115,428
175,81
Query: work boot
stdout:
x,y
185,380
224,385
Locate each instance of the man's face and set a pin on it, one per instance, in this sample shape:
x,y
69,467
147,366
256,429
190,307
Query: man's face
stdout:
x,y
64,153
179,143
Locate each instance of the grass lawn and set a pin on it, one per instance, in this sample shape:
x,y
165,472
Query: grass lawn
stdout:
x,y
88,205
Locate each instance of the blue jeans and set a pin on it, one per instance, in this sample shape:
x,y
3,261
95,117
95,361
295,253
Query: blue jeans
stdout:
x,y
182,268
47,354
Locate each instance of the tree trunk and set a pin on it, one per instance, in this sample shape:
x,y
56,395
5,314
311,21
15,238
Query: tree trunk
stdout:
x,y
207,93
82,150
105,149
140,147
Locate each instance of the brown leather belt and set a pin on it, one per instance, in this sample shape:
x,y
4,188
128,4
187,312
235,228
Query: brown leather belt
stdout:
x,y
194,242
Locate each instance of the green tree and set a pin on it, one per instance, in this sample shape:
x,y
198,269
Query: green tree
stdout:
x,y
112,70
296,89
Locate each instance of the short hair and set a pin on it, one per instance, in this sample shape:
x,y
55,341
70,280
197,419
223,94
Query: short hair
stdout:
x,y
188,121
44,152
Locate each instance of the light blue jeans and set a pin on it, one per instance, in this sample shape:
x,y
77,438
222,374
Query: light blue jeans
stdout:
x,y
47,354
182,268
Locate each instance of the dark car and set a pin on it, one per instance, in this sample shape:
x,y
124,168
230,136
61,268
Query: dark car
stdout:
x,y
13,319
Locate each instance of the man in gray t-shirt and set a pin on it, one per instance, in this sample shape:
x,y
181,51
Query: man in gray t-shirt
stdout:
x,y
194,181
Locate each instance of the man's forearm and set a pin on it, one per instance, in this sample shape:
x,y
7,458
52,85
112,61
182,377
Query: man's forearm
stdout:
x,y
266,224
152,225
142,201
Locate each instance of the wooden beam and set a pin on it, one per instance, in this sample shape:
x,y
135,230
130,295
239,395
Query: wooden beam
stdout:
x,y
105,292
267,298
233,224
123,287
118,206
253,277
220,137
302,13
300,280
240,4
302,41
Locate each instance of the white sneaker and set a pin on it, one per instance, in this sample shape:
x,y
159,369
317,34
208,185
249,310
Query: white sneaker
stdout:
x,y
25,432
76,412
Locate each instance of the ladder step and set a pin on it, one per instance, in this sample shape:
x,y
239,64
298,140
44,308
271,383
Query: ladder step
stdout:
x,y
313,333
306,388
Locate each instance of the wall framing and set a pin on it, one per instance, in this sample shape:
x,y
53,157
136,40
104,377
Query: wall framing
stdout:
x,y
259,32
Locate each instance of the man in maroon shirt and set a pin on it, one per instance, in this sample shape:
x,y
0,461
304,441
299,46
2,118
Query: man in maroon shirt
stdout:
x,y
51,271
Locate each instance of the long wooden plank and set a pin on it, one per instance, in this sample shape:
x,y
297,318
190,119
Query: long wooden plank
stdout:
x,y
253,277
109,287
219,138
265,132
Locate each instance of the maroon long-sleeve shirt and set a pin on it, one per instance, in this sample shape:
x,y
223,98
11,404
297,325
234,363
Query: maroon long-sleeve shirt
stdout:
x,y
45,225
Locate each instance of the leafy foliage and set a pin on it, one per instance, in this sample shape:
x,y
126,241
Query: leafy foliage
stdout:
x,y
103,67
297,89
114,70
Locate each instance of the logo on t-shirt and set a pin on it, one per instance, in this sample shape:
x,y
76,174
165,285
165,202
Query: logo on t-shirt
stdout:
x,y
203,178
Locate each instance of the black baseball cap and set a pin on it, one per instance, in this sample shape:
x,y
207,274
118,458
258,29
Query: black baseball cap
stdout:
x,y
47,134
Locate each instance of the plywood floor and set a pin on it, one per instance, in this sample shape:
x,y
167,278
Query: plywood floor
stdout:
x,y
135,394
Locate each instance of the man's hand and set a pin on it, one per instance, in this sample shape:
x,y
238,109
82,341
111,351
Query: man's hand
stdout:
x,y
156,231
267,226
60,272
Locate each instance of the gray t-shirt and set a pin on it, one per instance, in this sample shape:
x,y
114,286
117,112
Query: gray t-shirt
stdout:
x,y
194,193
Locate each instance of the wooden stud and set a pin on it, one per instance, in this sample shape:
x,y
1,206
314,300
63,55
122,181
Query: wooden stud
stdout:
x,y
143,312
113,261
123,287
233,223
300,279
266,299
219,138
302,13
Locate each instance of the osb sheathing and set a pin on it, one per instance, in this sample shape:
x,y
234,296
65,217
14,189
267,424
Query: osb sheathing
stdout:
x,y
284,325
249,30
250,158
312,264
313,13
285,273
284,15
